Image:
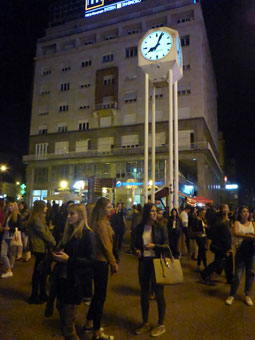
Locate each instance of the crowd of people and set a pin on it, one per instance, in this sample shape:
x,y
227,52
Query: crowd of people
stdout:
x,y
76,246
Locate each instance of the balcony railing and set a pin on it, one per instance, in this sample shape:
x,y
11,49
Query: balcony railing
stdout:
x,y
132,150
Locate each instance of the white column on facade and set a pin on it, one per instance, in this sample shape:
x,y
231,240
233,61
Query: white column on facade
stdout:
x,y
153,144
176,148
170,142
146,139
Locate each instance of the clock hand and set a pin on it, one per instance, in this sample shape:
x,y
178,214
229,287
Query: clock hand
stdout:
x,y
158,43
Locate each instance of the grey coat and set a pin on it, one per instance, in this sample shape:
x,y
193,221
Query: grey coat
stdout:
x,y
40,235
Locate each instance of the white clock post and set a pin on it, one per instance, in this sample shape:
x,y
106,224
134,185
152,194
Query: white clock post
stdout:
x,y
160,57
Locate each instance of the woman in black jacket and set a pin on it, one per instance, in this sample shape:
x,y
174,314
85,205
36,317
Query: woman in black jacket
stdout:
x,y
174,232
221,247
151,241
8,252
76,263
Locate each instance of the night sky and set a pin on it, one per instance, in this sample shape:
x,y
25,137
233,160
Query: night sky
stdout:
x,y
231,31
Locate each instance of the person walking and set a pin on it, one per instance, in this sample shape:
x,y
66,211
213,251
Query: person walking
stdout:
x,y
201,238
174,232
24,212
136,219
184,216
245,255
100,223
221,247
40,240
75,267
151,241
118,225
11,223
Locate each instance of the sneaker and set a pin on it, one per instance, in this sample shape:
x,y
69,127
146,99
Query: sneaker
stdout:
x,y
90,329
248,301
143,329
6,275
229,300
103,336
158,330
18,258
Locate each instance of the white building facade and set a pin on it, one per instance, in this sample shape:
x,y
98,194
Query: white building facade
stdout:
x,y
88,102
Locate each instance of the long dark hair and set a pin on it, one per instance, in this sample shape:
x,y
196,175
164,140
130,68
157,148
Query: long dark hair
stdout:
x,y
98,211
240,210
172,215
146,212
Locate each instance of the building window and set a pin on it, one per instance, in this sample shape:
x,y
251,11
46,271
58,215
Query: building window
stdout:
x,y
185,40
109,80
40,175
41,149
134,31
110,37
46,71
65,87
63,108
184,19
62,127
157,25
60,172
105,144
131,52
43,130
66,68
186,67
129,119
61,147
44,92
130,141
83,125
86,85
184,92
86,63
108,58
89,42
84,107
130,97
82,145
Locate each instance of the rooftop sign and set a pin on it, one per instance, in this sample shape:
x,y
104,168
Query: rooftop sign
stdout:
x,y
94,7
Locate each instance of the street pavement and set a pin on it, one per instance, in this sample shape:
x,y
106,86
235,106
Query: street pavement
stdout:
x,y
194,311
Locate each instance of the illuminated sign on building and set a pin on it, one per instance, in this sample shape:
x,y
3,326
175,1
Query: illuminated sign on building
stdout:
x,y
231,186
94,7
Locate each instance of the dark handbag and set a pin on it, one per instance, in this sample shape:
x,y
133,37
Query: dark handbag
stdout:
x,y
168,271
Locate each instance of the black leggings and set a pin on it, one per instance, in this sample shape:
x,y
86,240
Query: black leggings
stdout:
x,y
100,287
146,276
39,278
201,250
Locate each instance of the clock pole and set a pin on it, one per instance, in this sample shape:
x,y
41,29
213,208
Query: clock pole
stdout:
x,y
176,147
170,138
146,139
153,144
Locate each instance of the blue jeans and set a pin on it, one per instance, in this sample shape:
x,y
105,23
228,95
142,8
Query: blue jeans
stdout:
x,y
8,253
243,262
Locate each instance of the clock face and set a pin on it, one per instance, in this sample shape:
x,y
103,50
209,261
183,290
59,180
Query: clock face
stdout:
x,y
156,45
179,51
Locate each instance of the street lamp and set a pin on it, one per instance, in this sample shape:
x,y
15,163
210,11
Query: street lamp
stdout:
x,y
3,168
63,185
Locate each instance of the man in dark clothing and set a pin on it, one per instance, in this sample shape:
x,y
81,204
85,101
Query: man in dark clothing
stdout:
x,y
211,217
221,247
118,225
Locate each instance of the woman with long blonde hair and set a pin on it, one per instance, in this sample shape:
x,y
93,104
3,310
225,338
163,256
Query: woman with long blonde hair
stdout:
x,y
41,240
75,263
100,223
8,252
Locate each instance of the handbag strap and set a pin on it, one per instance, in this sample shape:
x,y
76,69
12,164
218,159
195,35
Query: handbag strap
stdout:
x,y
171,255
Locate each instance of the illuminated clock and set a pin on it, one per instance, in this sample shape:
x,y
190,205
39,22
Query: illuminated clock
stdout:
x,y
156,45
179,51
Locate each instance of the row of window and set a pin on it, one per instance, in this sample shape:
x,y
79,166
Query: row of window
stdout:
x,y
130,52
106,144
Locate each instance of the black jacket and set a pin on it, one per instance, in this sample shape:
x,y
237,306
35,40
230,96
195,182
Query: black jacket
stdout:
x,y
79,269
12,224
221,238
159,238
